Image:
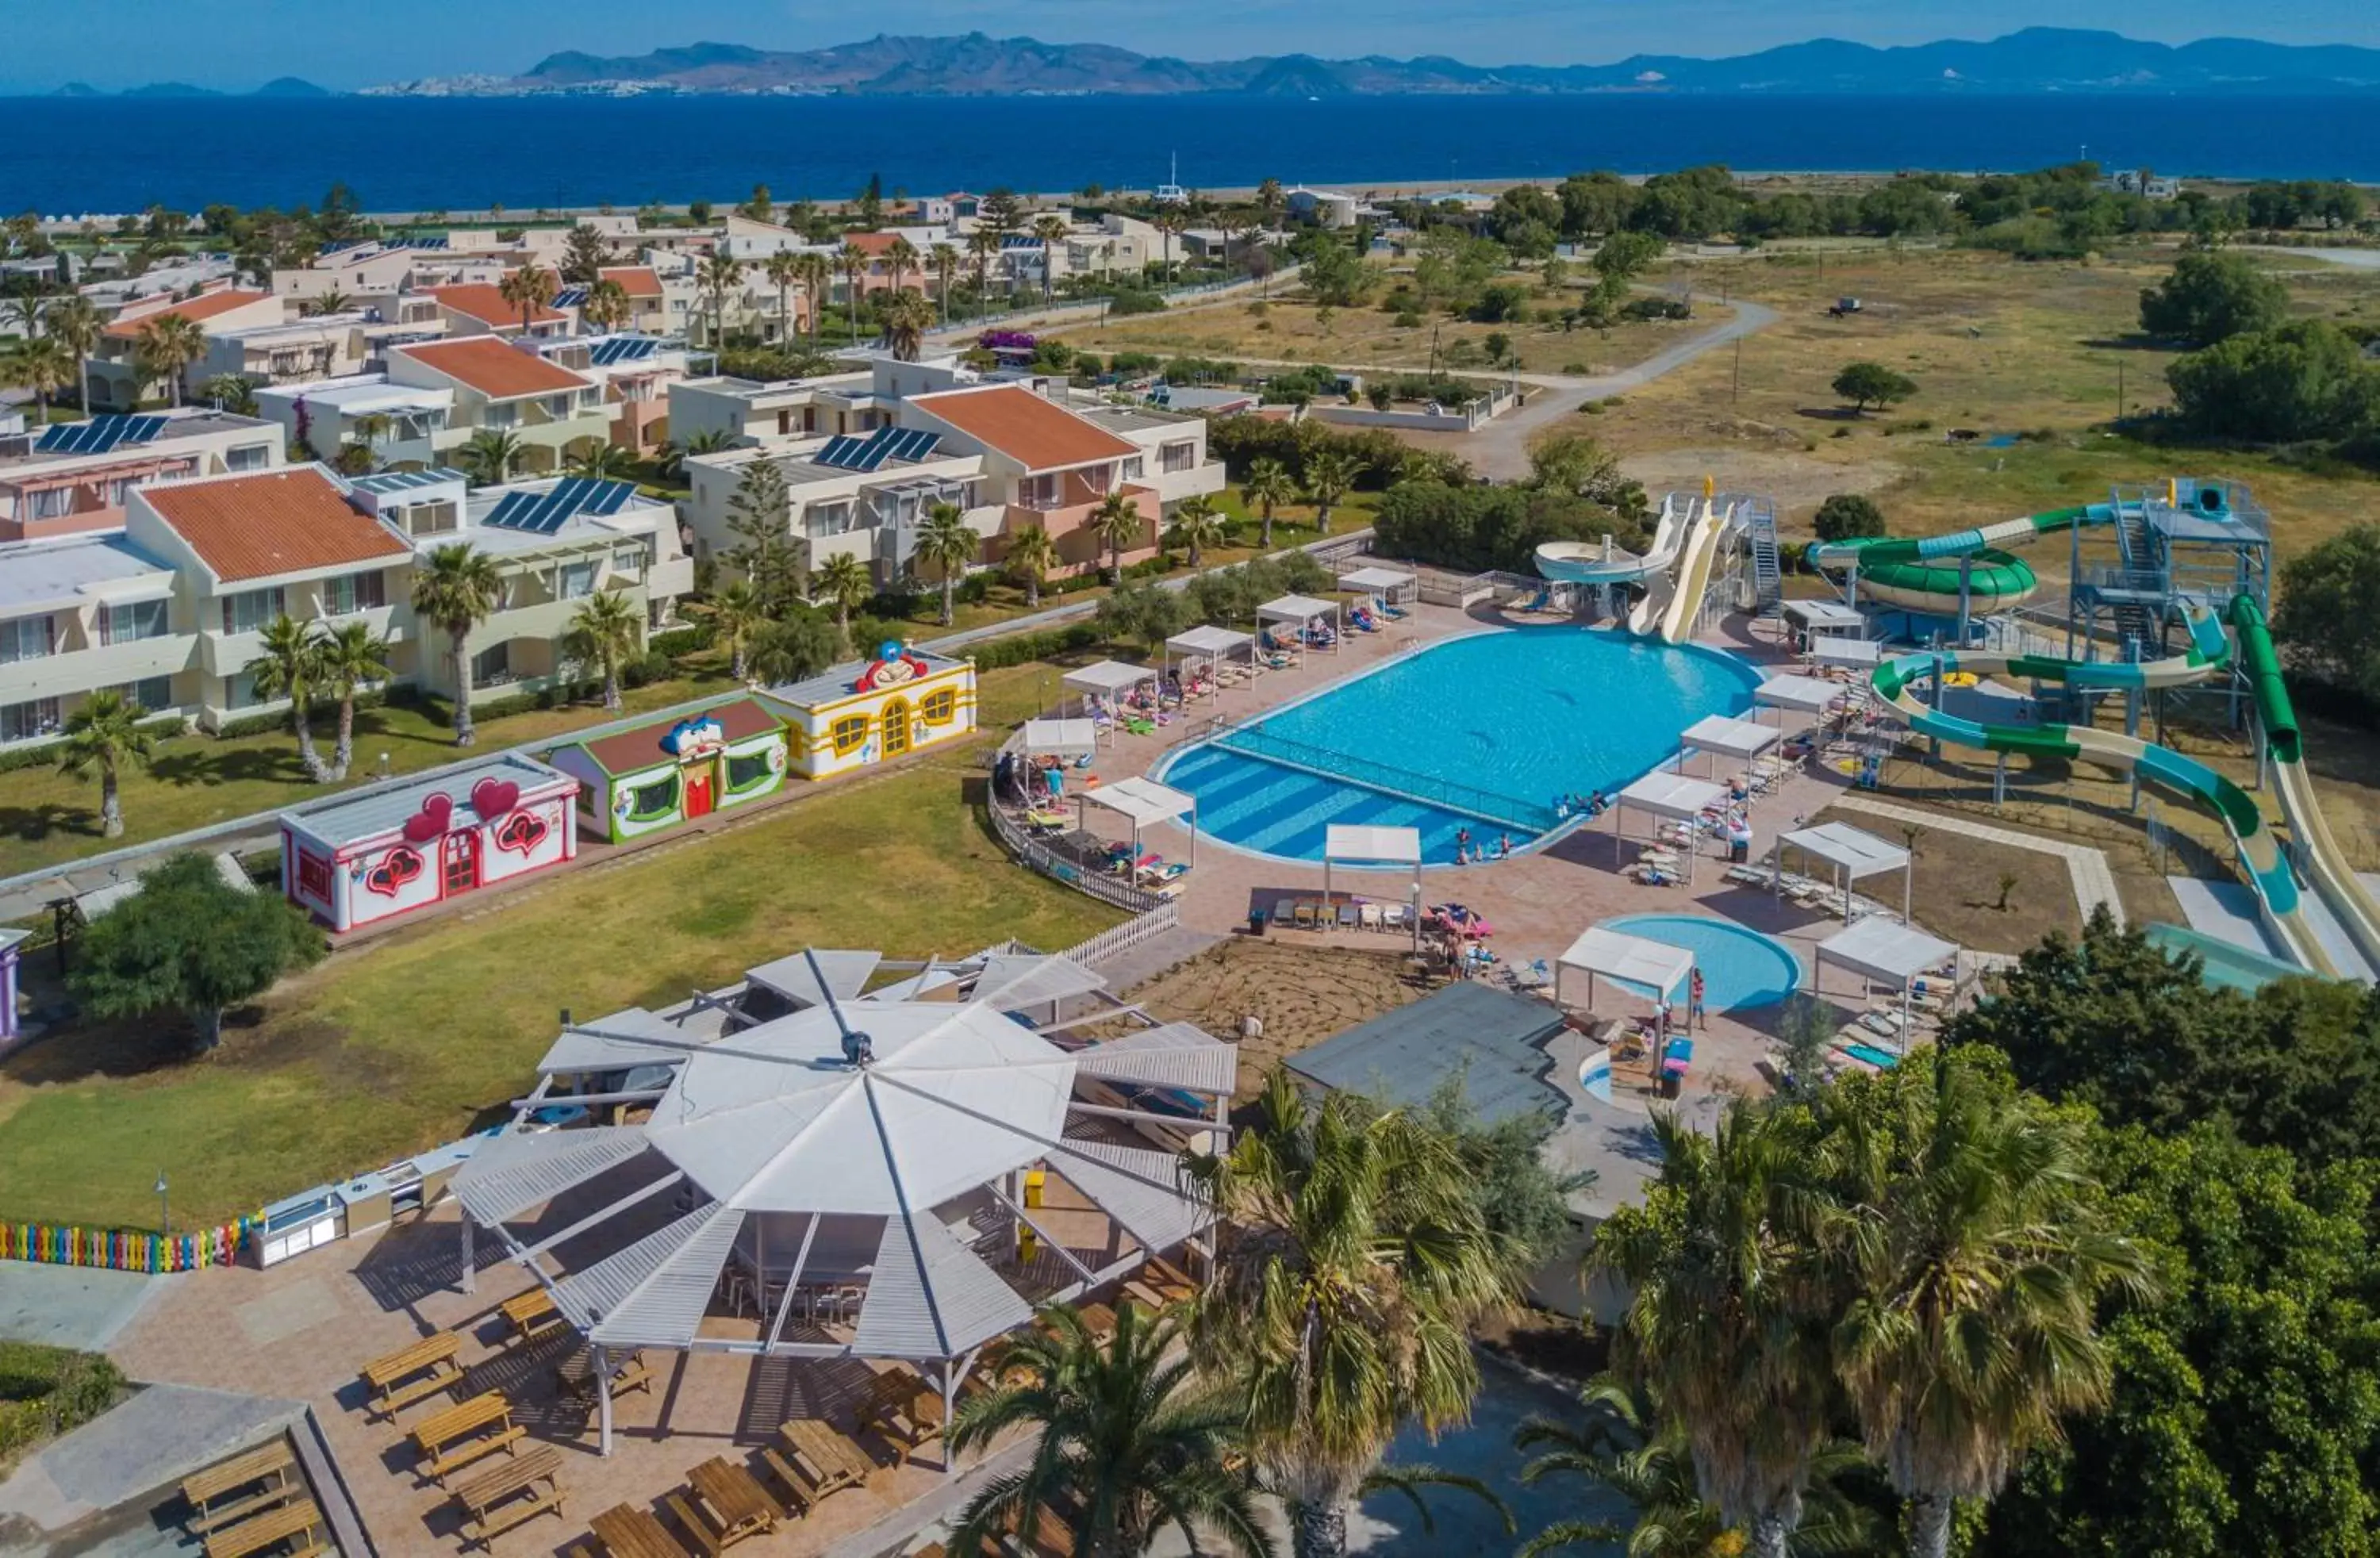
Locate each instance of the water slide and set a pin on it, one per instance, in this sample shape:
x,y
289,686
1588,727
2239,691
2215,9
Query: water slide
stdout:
x,y
1578,562
2335,881
1704,538
1923,574
2268,869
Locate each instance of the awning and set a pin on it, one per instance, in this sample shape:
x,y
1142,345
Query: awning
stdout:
x,y
1142,799
1804,695
1825,616
1297,608
1063,739
1846,652
1741,739
847,974
1640,962
1367,842
1108,678
1376,579
1853,853
1208,639
1673,795
610,1044
1886,951
1011,981
1175,1054
509,1174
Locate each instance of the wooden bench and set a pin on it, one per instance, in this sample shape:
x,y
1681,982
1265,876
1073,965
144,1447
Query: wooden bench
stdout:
x,y
200,1489
694,1523
300,1519
438,1466
626,1531
818,1461
462,1434
392,1378
232,1513
531,1314
904,1409
493,1501
575,1375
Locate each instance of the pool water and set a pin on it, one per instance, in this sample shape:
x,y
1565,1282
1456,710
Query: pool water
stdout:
x,y
1740,967
1485,732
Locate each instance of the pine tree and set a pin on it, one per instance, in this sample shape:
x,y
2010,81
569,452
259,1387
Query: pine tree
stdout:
x,y
760,516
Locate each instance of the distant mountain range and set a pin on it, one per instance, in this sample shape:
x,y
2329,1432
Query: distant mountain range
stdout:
x,y
2035,60
285,86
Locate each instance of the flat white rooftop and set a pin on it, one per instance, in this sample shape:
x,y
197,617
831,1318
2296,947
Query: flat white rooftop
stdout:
x,y
73,570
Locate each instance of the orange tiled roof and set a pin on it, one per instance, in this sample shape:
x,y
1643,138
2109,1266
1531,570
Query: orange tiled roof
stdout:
x,y
197,310
483,301
876,244
1024,427
638,281
499,371
271,523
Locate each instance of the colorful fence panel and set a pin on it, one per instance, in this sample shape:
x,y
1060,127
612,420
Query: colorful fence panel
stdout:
x,y
123,1249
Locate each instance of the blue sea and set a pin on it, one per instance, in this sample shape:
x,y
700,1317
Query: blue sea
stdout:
x,y
117,154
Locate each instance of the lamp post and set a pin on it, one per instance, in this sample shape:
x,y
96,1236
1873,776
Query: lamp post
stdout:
x,y
164,1207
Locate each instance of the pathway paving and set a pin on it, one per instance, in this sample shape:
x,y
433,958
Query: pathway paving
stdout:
x,y
75,1306
2093,884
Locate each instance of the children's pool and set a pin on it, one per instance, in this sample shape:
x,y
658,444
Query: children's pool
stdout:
x,y
1486,732
1740,967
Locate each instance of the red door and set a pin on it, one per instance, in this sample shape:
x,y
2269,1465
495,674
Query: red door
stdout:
x,y
697,791
461,867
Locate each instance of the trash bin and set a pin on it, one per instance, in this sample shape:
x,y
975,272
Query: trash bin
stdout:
x,y
1672,1083
1255,922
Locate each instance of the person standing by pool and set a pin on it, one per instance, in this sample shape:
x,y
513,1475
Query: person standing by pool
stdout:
x,y
1696,1017
1462,847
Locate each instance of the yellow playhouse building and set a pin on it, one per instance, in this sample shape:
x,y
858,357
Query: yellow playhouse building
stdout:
x,y
869,711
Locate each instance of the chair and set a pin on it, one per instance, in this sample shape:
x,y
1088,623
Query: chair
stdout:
x,y
1371,917
1349,917
1394,916
1304,920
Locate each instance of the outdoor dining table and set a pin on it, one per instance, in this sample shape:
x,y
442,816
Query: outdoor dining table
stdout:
x,y
736,1496
432,1358
626,1531
826,1454
274,1461
268,1529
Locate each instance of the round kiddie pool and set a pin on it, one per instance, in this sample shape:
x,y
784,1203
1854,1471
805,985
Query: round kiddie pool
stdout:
x,y
1740,967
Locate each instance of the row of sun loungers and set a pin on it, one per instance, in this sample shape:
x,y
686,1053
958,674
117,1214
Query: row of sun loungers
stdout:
x,y
1313,913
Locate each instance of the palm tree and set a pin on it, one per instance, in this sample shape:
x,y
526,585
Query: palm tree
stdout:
x,y
842,582
1721,1328
899,259
1978,1255
331,300
982,243
1051,229
528,288
366,429
1116,521
945,261
813,270
1623,1448
1330,476
491,454
1268,485
42,365
234,393
165,349
105,733
74,323
1198,525
722,274
1354,1260
603,462
1031,556
710,440
457,587
288,666
349,658
607,629
784,270
1127,1444
1271,200
946,541
1168,223
852,261
907,316
737,615
608,305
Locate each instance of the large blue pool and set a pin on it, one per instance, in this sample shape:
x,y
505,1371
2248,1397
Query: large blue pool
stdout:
x,y
1483,731
1740,967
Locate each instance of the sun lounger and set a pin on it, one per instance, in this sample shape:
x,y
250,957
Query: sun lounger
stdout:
x,y
1304,915
1371,917
1394,916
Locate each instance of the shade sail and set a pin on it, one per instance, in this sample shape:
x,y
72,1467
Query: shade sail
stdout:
x,y
1109,676
1639,961
1839,844
929,1296
1376,579
1011,981
1297,608
1371,842
1731,737
507,1174
1208,639
1671,795
1884,950
847,974
1142,799
1064,738
1827,616
1804,695
1175,1054
1846,652
610,1044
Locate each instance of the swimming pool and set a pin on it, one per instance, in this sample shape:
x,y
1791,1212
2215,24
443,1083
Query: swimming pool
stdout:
x,y
1484,732
1740,967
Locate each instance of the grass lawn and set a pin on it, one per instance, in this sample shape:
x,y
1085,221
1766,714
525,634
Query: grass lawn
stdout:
x,y
412,1039
1996,346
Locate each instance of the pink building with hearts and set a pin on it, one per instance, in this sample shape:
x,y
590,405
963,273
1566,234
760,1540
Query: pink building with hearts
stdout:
x,y
355,861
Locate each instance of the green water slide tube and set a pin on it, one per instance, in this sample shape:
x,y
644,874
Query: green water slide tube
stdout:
x,y
1925,572
2265,679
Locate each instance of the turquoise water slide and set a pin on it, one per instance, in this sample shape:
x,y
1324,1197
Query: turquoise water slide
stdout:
x,y
2209,653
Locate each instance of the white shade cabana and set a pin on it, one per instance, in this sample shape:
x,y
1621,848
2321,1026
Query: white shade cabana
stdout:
x,y
1722,736
1104,683
1639,962
1370,845
1303,611
1672,796
1853,853
1815,696
1061,738
1213,645
1142,801
1884,952
1391,584
1846,652
1824,619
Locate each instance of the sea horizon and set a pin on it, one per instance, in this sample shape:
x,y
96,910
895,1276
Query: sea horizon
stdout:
x,y
102,155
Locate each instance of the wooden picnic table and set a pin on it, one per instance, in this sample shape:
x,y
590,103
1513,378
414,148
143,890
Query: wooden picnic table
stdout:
x,y
274,1461
531,1314
493,1496
736,1496
268,1529
411,1375
460,1435
626,1531
827,1461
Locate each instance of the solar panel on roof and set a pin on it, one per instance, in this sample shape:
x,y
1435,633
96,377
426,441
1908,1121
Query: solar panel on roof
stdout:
x,y
570,298
544,513
839,450
99,436
617,349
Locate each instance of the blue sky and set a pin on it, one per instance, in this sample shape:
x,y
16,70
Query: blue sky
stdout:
x,y
239,43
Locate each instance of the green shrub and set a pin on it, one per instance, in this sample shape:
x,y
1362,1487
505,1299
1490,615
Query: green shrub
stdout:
x,y
681,640
1020,648
648,668
1136,302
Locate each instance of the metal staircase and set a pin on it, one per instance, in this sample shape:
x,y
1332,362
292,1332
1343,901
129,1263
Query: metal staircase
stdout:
x,y
1755,523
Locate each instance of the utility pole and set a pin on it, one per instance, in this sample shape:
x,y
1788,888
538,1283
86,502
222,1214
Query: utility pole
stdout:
x,y
2120,389
1735,390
